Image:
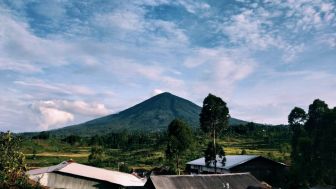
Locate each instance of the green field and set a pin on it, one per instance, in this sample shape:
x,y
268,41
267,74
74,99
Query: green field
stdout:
x,y
40,153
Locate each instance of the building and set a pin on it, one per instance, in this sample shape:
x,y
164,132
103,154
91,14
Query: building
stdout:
x,y
262,168
69,174
224,181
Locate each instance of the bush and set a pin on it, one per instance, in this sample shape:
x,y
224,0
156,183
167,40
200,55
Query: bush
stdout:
x,y
97,156
12,163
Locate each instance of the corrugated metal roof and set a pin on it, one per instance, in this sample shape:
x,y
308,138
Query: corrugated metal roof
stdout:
x,y
123,179
48,169
231,161
226,181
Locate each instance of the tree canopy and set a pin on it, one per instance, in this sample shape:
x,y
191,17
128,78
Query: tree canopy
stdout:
x,y
12,163
180,139
313,145
214,116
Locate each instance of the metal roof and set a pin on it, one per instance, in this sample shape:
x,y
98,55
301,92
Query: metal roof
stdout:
x,y
231,161
48,169
232,181
116,177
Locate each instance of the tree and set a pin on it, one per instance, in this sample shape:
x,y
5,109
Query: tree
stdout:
x,y
97,155
214,118
213,153
314,145
297,117
296,120
180,139
44,135
72,139
12,162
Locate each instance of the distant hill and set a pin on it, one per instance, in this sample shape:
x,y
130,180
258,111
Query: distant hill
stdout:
x,y
153,114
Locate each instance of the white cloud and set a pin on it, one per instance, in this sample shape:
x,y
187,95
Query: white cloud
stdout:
x,y
169,34
221,69
52,117
328,39
247,28
49,88
307,14
55,113
49,118
194,7
77,107
136,72
156,92
21,50
127,20
271,99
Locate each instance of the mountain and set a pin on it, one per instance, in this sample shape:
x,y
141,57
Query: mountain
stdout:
x,y
153,114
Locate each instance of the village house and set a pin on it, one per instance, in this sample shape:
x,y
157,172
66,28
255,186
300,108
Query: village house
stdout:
x,y
262,168
71,175
211,181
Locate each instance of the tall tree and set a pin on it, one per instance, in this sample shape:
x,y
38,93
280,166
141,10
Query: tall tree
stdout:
x,y
315,114
314,145
180,139
214,118
297,117
296,120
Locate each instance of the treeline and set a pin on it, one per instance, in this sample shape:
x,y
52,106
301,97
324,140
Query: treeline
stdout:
x,y
313,145
132,139
123,140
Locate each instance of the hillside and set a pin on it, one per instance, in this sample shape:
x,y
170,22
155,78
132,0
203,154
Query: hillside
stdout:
x,y
150,115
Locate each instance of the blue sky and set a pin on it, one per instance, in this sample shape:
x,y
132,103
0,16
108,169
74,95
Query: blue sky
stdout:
x,y
65,62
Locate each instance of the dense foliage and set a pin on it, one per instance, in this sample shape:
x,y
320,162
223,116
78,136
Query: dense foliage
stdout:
x,y
314,145
12,163
179,140
212,152
97,155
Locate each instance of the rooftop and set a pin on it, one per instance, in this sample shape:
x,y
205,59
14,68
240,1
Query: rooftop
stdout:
x,y
231,161
236,181
116,177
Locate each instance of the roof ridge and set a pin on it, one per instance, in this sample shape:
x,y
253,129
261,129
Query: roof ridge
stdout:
x,y
225,174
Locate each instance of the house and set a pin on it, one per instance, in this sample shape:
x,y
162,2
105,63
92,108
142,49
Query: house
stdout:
x,y
224,181
69,174
262,168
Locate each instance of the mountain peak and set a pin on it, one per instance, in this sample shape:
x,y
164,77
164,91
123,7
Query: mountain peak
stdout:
x,y
164,94
152,114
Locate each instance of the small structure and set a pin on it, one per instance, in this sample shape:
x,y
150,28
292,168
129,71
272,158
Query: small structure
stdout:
x,y
225,181
69,174
262,168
